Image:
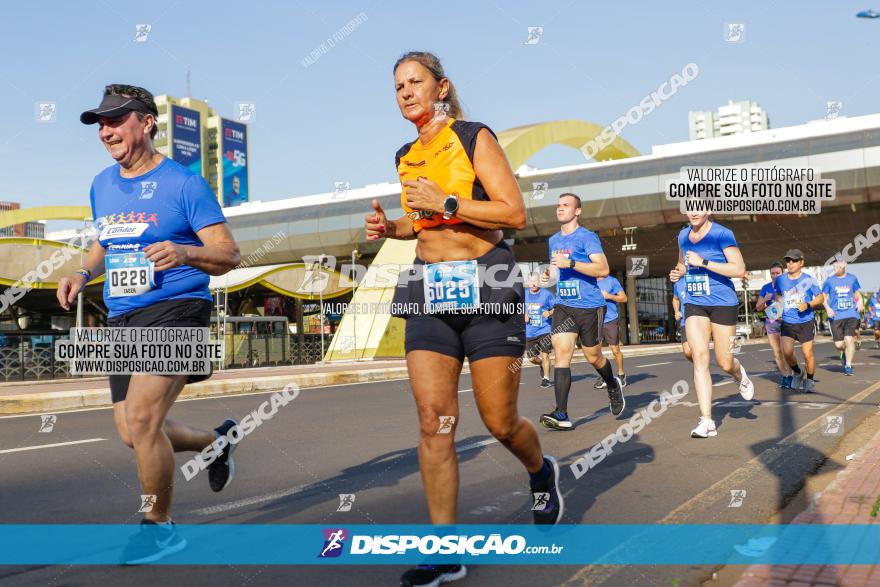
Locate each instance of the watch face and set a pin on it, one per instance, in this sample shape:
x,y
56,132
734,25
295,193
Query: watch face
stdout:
x,y
450,204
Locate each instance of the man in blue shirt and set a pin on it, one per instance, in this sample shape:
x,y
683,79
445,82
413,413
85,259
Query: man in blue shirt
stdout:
x,y
578,261
800,296
613,294
874,316
843,304
539,309
162,234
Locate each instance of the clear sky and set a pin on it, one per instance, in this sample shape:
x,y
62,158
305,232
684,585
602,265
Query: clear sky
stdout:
x,y
336,120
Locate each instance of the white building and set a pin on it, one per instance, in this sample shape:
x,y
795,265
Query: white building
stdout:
x,y
735,118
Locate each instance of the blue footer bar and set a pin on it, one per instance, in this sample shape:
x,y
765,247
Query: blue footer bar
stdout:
x,y
631,544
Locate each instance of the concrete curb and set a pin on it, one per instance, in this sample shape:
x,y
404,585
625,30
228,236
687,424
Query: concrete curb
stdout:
x,y
50,401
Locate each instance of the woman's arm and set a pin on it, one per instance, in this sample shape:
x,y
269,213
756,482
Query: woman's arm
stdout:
x,y
679,269
377,225
505,208
734,266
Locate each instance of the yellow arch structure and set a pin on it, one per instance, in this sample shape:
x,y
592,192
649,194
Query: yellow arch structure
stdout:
x,y
380,335
22,255
521,143
23,215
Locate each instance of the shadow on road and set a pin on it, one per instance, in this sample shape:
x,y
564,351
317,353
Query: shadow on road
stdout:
x,y
385,470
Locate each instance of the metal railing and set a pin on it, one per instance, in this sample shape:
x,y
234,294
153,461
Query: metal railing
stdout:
x,y
31,357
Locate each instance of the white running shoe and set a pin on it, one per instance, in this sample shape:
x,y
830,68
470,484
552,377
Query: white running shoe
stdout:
x,y
799,381
704,429
746,387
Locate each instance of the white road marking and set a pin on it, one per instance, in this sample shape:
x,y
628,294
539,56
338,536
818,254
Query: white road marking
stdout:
x,y
477,444
53,445
654,364
240,503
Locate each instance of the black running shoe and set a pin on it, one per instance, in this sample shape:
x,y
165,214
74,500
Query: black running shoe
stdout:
x,y
556,420
547,503
222,470
153,542
616,401
545,383
600,383
432,575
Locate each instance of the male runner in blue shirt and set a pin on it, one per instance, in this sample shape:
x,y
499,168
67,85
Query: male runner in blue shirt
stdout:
x,y
800,296
578,260
162,234
842,304
539,309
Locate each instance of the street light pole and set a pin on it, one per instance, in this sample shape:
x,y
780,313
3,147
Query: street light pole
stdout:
x,y
321,302
80,299
354,256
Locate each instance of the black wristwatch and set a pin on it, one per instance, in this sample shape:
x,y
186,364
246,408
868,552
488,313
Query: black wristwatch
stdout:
x,y
571,263
705,262
450,206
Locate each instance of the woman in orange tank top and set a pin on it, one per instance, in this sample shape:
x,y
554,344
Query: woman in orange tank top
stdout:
x,y
458,193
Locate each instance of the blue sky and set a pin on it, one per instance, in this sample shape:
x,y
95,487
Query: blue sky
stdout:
x,y
337,120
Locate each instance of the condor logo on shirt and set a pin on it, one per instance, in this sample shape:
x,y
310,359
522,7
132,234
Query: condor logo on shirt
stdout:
x,y
132,230
411,164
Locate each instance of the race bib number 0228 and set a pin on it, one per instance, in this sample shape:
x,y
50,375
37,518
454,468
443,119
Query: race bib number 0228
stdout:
x,y
129,274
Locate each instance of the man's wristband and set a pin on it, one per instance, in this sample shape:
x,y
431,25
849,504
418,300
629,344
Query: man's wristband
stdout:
x,y
85,273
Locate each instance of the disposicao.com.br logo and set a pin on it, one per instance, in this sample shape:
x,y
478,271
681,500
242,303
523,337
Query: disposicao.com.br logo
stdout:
x,y
402,544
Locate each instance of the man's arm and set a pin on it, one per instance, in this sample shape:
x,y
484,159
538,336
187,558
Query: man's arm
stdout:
x,y
619,297
70,286
597,267
219,254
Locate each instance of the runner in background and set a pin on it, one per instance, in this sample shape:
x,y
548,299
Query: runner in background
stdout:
x,y
843,304
708,258
679,300
578,261
766,302
613,294
800,296
874,316
539,308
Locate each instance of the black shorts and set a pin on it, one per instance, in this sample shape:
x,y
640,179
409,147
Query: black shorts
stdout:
x,y
802,333
539,344
586,322
179,312
611,333
473,335
842,328
723,315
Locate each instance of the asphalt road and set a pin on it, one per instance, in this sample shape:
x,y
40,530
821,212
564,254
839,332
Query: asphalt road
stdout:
x,y
360,439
